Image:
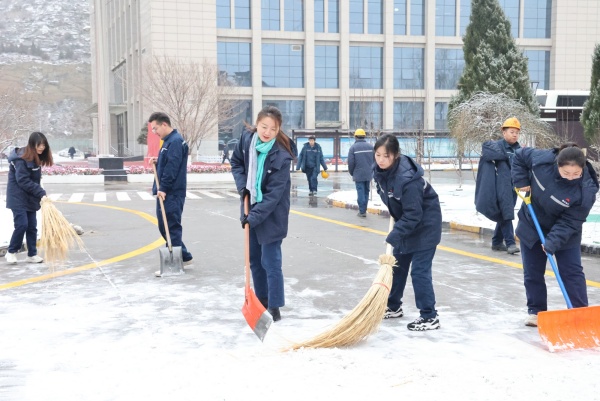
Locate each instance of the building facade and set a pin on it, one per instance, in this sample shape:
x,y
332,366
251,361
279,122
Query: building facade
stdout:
x,y
375,64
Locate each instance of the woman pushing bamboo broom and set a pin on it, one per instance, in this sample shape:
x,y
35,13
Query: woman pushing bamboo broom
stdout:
x,y
58,235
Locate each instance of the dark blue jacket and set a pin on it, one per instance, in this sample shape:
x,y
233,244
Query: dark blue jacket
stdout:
x,y
311,157
360,160
268,218
561,206
494,194
171,166
413,203
23,190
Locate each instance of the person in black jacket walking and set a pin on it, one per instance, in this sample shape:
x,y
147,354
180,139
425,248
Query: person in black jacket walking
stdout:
x,y
563,187
311,156
360,167
171,168
415,207
494,194
24,193
260,165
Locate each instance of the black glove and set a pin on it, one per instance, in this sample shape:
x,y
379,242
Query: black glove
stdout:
x,y
243,193
245,221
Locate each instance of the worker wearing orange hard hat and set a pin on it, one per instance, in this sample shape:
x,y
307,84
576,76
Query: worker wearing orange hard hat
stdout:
x,y
494,194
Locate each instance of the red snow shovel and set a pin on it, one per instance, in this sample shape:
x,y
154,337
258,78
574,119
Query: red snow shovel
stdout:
x,y
253,310
573,328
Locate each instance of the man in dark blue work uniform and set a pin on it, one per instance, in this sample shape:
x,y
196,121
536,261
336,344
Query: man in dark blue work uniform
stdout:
x,y
171,168
311,156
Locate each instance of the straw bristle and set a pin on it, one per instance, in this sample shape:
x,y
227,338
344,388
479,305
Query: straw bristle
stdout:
x,y
58,236
364,319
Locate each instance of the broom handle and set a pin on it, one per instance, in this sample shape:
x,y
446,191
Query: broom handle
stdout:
x,y
162,209
247,244
388,247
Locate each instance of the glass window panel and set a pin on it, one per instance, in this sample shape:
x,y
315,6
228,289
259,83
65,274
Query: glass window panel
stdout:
x,y
293,13
319,15
223,14
445,17
327,111
441,115
326,66
366,67
232,128
449,64
282,65
511,10
399,17
356,16
408,68
242,14
539,67
465,16
333,24
417,17
409,115
375,16
292,112
270,15
366,115
537,17
233,59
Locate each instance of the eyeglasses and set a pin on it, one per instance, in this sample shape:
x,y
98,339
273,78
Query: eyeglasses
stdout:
x,y
155,128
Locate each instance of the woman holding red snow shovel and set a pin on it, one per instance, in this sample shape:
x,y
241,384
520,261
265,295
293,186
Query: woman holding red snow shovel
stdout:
x,y
563,188
261,168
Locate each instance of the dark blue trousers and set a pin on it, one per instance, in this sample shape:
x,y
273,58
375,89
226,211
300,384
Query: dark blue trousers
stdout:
x,y
25,223
267,275
569,267
422,281
311,177
504,232
362,195
173,210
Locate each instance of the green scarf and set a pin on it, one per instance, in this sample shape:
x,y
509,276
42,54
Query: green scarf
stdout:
x,y
263,149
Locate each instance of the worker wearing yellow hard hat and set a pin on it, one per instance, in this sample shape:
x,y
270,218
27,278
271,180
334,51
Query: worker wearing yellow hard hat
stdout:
x,y
360,167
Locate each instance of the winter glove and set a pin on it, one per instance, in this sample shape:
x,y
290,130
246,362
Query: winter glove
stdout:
x,y
245,221
243,193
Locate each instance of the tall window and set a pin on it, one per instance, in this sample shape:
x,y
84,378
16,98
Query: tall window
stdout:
x,y
441,115
356,16
293,13
242,14
327,111
333,14
399,17
537,17
223,14
417,17
234,63
367,115
449,64
283,66
326,67
232,128
319,15
445,17
408,68
270,15
539,67
465,15
375,15
511,10
409,115
292,112
366,67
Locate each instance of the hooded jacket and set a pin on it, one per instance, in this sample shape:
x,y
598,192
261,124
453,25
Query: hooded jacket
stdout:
x,y
413,203
23,190
360,160
560,205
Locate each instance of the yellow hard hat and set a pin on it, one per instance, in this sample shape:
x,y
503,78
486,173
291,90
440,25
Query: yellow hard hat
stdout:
x,y
359,132
512,123
324,174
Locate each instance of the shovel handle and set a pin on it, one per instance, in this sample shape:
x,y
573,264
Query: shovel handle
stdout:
x,y
247,243
162,209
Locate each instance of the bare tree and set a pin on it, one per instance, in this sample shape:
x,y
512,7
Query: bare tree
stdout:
x,y
16,111
193,94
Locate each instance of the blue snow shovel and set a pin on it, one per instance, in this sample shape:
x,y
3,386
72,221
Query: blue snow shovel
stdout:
x,y
573,328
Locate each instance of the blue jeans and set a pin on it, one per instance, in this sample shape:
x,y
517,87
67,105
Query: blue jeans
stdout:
x,y
311,177
422,281
362,195
504,232
267,276
173,210
25,223
569,267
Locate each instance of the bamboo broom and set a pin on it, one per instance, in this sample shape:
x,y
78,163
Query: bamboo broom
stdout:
x,y
58,236
366,317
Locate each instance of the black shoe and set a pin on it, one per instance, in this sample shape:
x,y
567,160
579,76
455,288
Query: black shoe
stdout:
x,y
275,314
359,214
389,313
512,249
422,324
311,193
500,247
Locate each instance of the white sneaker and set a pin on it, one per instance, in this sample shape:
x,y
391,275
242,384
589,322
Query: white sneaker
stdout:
x,y
11,258
157,274
531,321
33,259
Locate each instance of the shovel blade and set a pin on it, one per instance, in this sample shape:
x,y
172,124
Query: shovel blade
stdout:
x,y
171,263
256,315
577,328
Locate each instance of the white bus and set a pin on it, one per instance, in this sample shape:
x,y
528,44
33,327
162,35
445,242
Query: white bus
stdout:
x,y
561,105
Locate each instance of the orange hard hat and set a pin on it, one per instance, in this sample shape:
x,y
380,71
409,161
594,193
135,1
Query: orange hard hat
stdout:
x,y
512,123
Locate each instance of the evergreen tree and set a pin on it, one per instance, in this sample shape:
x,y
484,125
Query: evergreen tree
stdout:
x,y
493,63
590,117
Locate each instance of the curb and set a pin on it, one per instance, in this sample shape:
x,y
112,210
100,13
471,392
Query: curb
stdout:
x,y
585,249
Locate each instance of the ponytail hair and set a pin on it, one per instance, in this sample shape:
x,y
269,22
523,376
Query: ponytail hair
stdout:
x,y
569,154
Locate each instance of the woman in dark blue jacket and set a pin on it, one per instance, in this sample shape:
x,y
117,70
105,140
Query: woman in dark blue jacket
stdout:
x,y
415,207
261,168
24,193
563,188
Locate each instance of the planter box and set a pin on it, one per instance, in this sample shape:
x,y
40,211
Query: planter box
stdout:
x,y
73,179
